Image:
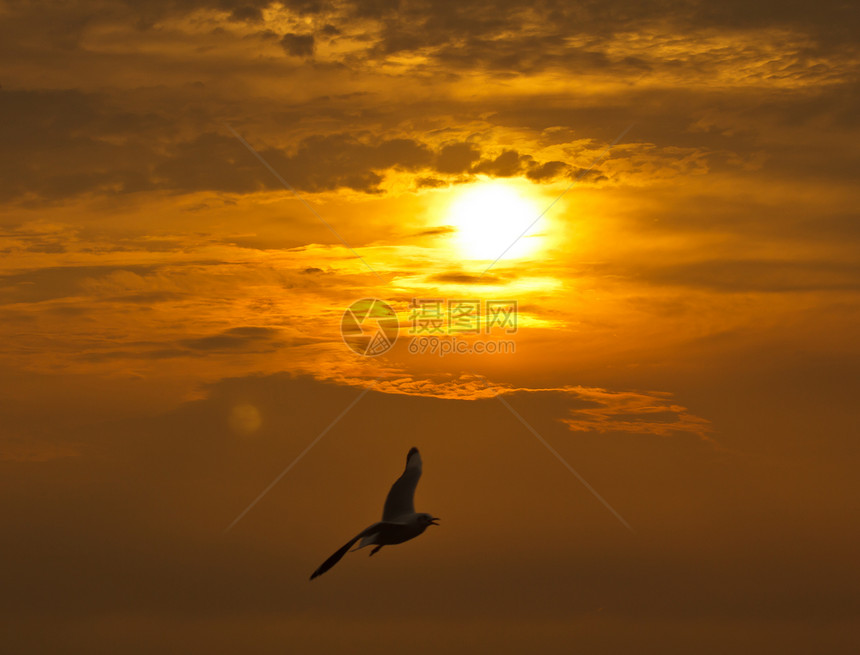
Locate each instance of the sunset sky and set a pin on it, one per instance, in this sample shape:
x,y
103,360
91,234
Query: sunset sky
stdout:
x,y
193,192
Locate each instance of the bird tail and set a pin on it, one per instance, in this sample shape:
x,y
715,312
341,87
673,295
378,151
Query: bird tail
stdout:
x,y
367,536
334,559
369,540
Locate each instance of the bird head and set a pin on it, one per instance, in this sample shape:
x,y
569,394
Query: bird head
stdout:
x,y
426,519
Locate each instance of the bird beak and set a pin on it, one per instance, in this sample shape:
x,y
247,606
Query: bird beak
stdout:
x,y
433,521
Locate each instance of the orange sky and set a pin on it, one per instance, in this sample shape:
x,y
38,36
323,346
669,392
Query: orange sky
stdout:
x,y
687,303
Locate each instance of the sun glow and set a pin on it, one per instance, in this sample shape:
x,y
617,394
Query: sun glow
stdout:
x,y
490,218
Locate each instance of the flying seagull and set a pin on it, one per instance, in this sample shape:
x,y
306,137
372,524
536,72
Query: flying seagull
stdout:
x,y
399,521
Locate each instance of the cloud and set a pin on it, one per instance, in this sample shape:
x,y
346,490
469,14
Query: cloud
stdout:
x,y
507,164
466,158
63,142
652,413
67,143
457,277
755,275
435,231
58,282
298,45
546,171
248,340
250,12
430,183
582,409
456,158
245,338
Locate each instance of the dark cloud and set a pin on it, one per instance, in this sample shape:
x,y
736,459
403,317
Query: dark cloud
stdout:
x,y
442,229
510,163
456,158
251,338
148,297
252,13
62,143
754,275
546,171
298,45
507,164
66,143
486,34
59,143
57,282
417,23
328,162
237,10
238,340
430,183
102,356
457,277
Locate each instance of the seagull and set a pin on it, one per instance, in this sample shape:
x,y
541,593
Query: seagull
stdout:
x,y
400,522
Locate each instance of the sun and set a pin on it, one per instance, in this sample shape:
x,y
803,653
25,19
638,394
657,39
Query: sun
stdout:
x,y
494,220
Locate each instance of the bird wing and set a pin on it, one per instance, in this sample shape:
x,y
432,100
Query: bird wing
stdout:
x,y
401,498
343,550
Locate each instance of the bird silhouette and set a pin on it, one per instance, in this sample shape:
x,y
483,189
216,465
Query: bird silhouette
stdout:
x,y
400,522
